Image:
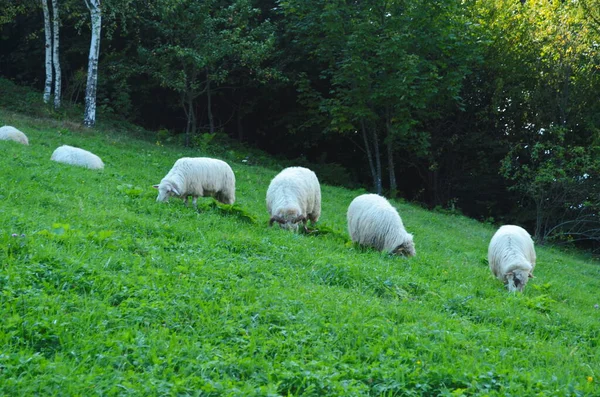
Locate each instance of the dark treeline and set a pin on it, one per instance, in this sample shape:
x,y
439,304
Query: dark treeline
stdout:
x,y
489,107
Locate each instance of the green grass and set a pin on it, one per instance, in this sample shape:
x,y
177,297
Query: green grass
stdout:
x,y
104,291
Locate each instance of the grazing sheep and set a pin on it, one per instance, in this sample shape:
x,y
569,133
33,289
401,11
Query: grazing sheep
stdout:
x,y
511,257
374,222
294,196
76,156
198,177
8,133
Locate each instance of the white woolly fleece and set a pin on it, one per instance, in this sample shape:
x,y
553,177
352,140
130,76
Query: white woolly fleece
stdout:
x,y
293,193
76,156
374,222
199,177
9,133
511,251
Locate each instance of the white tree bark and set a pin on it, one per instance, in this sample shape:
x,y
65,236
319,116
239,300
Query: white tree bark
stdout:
x,y
55,58
48,32
92,78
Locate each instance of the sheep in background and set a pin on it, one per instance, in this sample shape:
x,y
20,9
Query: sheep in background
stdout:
x,y
294,196
374,222
75,156
8,133
198,177
511,257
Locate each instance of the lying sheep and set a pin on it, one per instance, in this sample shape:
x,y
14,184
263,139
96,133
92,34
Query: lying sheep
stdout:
x,y
76,156
8,133
198,177
511,257
373,222
294,196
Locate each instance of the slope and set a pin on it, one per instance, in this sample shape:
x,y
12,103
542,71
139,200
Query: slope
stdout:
x,y
104,291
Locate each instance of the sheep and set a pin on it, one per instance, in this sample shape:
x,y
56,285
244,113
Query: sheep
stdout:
x,y
374,222
294,196
198,177
511,257
8,133
75,156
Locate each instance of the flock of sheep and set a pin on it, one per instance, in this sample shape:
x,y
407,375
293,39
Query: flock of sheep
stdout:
x,y
294,197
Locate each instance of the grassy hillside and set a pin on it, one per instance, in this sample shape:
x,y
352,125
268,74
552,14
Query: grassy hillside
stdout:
x,y
104,291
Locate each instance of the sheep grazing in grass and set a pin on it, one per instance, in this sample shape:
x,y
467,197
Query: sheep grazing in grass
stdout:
x,y
8,133
76,156
294,196
511,257
374,222
198,177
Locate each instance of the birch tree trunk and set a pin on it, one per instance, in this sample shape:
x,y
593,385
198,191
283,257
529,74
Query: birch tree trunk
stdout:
x,y
190,113
55,58
392,171
89,119
240,126
211,122
374,175
379,185
48,32
390,155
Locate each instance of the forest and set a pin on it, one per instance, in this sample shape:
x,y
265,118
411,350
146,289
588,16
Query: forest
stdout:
x,y
489,108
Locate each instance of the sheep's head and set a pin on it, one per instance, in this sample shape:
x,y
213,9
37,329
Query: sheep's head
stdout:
x,y
165,190
289,223
517,279
407,248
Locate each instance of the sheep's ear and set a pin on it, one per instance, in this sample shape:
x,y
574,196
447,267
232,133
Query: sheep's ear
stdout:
x,y
175,191
155,186
531,275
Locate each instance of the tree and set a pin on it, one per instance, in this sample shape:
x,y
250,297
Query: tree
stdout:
x,y
55,54
10,9
48,34
196,45
53,70
380,65
546,111
591,14
93,6
559,181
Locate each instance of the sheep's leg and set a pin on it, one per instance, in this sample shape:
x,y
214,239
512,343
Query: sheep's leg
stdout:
x,y
305,225
185,200
195,201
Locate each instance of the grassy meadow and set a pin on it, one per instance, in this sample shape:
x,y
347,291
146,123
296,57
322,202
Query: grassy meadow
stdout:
x,y
105,292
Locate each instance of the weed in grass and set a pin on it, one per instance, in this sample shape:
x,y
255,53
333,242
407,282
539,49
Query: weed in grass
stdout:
x,y
322,229
14,245
540,303
233,210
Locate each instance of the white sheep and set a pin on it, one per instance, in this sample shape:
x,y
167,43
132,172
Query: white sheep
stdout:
x,y
198,177
374,222
511,257
76,156
8,133
294,196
